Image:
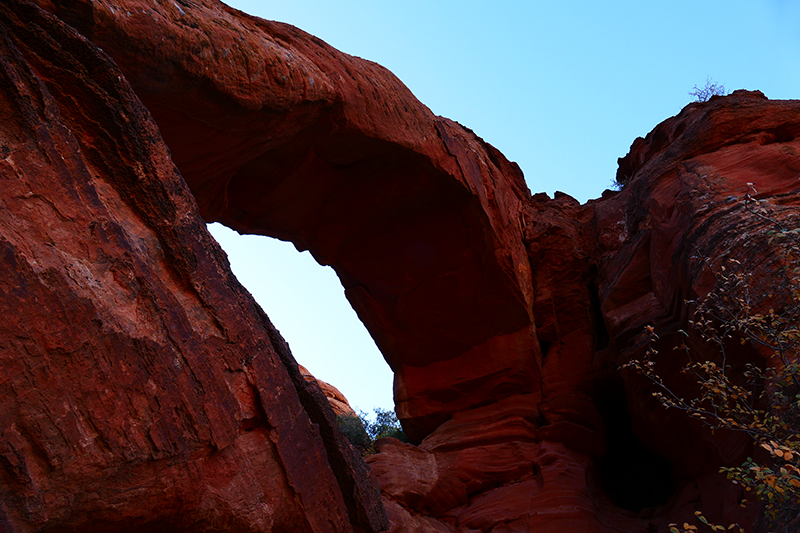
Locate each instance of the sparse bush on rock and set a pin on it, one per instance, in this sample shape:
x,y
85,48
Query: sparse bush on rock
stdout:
x,y
766,403
704,93
362,433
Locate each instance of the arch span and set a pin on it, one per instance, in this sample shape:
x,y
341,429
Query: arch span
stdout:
x,y
279,134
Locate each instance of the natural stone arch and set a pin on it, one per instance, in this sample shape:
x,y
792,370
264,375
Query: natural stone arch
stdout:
x,y
418,216
142,388
279,104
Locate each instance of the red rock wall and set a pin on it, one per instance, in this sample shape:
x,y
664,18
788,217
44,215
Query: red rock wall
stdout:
x,y
593,450
504,316
279,134
142,388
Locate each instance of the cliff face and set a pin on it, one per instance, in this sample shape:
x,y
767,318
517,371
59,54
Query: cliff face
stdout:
x,y
144,389
279,134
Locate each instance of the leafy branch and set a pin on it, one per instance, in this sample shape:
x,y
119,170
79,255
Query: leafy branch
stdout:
x,y
763,403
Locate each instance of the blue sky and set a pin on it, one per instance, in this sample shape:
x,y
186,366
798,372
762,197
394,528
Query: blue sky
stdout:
x,y
562,88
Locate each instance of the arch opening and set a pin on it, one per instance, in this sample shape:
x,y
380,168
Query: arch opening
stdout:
x,y
306,303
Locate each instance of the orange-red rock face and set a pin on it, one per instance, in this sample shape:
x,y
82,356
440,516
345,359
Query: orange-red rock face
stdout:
x,y
505,316
339,404
592,450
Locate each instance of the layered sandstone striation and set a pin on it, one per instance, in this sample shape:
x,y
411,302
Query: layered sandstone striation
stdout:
x,y
144,387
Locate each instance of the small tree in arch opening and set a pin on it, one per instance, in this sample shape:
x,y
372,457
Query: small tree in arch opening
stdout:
x,y
362,433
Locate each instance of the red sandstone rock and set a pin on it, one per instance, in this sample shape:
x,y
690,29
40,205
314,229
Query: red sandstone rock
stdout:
x,y
684,218
142,388
505,317
338,401
279,134
602,272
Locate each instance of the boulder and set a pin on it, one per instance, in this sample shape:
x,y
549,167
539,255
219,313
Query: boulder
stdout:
x,y
338,401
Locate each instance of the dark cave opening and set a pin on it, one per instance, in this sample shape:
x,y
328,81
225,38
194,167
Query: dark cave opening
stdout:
x,y
632,475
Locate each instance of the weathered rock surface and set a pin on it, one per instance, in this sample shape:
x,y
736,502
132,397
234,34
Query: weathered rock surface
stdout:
x,y
338,401
593,451
142,388
505,316
277,133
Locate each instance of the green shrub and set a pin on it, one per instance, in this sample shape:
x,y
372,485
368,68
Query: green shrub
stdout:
x,y
362,433
385,425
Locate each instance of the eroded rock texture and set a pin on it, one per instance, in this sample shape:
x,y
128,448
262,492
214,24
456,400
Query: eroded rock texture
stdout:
x,y
142,388
279,134
505,316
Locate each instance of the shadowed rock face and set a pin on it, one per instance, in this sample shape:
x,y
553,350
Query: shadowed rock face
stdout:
x,y
142,388
277,133
138,365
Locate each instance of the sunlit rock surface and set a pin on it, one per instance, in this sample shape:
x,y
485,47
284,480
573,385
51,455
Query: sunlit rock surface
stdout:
x,y
338,401
505,316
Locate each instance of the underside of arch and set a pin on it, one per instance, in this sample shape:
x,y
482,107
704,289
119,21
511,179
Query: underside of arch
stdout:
x,y
417,215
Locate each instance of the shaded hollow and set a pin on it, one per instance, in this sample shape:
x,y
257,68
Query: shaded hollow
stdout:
x,y
632,475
